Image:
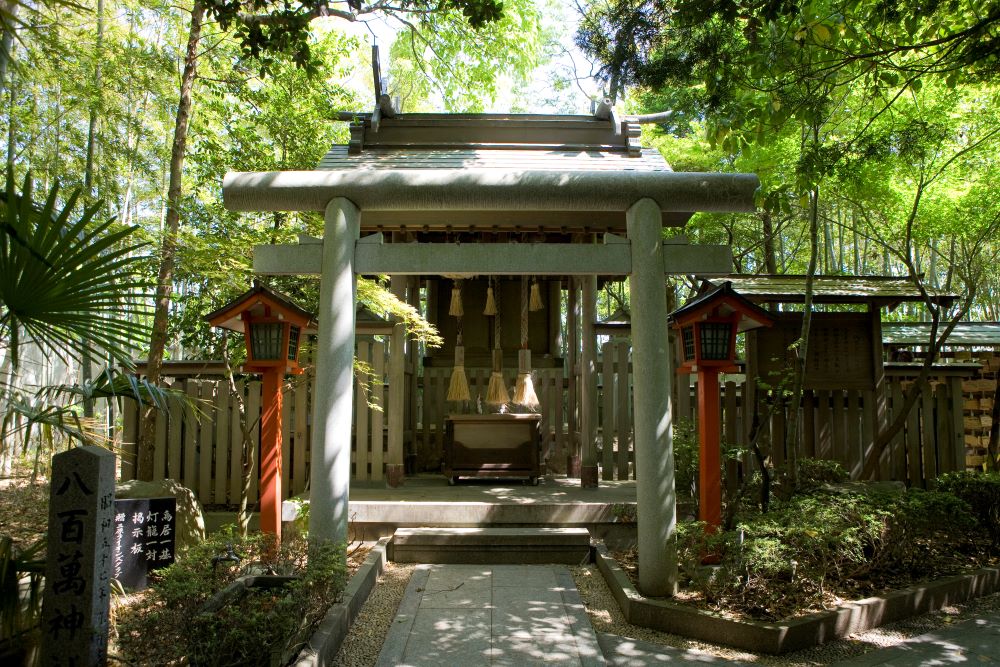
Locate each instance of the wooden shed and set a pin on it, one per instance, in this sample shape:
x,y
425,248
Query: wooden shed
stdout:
x,y
849,394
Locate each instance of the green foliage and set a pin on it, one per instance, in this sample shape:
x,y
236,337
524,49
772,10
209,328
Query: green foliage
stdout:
x,y
267,30
889,107
814,473
687,455
821,544
685,439
981,490
464,67
247,631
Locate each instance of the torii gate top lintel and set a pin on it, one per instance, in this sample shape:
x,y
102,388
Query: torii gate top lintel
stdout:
x,y
425,172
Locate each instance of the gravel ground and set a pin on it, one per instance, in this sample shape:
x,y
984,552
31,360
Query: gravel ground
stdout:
x,y
607,617
364,640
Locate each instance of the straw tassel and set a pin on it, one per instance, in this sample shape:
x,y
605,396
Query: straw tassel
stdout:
x,y
524,389
458,387
491,303
455,307
535,304
496,393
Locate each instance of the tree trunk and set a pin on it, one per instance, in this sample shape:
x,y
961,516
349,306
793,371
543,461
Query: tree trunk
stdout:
x,y
86,370
770,258
994,443
248,446
791,433
10,8
168,248
829,259
11,131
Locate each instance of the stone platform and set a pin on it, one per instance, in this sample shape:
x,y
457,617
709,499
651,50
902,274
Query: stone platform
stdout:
x,y
428,501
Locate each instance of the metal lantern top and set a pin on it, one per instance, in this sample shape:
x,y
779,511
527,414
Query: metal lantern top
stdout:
x,y
708,326
272,324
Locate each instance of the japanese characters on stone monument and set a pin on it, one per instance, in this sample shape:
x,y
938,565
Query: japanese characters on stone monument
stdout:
x,y
78,567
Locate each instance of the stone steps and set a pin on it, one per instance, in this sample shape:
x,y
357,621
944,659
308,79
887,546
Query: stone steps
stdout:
x,y
568,546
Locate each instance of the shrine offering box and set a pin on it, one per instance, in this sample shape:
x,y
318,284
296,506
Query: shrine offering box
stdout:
x,y
504,445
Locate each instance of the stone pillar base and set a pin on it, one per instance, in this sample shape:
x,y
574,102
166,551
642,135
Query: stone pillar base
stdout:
x,y
394,475
573,467
588,477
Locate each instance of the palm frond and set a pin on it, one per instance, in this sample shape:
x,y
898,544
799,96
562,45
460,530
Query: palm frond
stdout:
x,y
112,384
67,282
18,615
63,419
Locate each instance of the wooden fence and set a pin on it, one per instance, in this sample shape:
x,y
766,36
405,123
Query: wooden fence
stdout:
x,y
840,425
205,454
204,451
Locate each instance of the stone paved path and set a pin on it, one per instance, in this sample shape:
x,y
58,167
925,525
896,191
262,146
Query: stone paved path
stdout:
x,y
973,642
512,615
505,615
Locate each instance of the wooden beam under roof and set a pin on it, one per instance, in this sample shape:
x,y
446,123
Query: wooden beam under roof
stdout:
x,y
612,258
517,131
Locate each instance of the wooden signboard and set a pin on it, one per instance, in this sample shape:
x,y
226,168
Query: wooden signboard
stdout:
x,y
839,355
145,530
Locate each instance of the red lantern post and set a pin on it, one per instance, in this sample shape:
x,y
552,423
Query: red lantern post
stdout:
x,y
273,327
708,326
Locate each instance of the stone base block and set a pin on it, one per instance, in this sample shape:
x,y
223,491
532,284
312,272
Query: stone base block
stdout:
x,y
394,475
573,466
569,546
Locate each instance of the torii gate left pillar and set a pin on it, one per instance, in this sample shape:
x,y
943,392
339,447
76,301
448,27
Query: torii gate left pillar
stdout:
x,y
330,474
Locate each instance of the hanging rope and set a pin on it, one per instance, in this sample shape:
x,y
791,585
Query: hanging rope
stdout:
x,y
496,393
524,390
458,386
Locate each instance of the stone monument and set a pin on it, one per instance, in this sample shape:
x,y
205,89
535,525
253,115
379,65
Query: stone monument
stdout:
x,y
78,566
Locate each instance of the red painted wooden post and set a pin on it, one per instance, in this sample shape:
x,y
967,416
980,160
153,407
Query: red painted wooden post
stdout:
x,y
709,447
270,453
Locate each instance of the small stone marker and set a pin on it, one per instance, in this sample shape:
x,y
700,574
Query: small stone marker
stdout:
x,y
145,530
78,566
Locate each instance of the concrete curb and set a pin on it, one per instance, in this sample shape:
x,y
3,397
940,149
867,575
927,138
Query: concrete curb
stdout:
x,y
325,641
785,636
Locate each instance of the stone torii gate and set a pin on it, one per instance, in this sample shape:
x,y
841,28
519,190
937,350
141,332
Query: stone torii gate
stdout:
x,y
555,184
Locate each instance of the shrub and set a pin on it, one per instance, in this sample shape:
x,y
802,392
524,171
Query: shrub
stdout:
x,y
814,473
981,490
685,441
687,453
822,543
247,631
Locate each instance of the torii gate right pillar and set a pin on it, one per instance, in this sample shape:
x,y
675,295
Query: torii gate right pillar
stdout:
x,y
654,452
333,400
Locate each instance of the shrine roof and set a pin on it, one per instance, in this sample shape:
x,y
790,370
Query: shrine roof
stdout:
x,y
502,140
255,300
729,301
986,334
500,157
878,290
492,173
